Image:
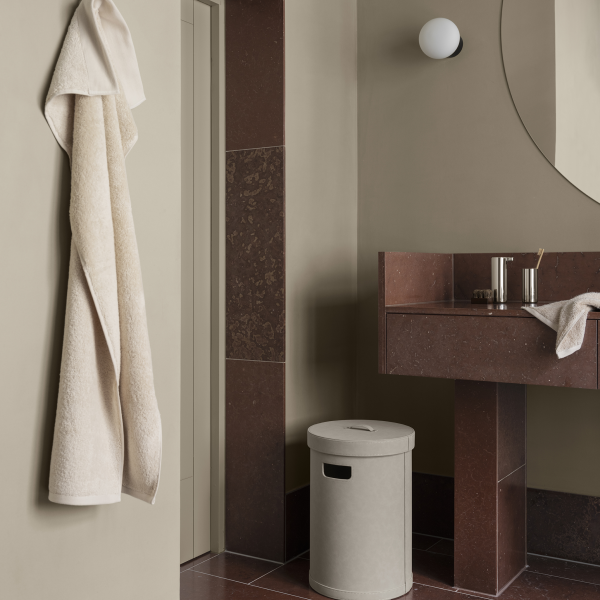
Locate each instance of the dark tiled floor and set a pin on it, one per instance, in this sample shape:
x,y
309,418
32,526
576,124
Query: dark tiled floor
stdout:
x,y
196,561
230,577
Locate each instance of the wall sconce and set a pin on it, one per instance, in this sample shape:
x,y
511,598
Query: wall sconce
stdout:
x,y
440,38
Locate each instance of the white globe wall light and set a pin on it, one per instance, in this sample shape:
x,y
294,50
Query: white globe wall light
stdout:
x,y
440,38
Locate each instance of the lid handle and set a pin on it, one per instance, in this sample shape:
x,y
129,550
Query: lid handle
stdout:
x,y
361,427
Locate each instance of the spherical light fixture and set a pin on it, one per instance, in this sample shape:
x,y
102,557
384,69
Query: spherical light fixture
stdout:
x,y
440,38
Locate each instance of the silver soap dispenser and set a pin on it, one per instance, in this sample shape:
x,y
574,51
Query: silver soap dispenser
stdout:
x,y
499,282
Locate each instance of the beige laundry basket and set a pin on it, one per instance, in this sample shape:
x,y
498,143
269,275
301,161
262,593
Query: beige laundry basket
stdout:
x,y
361,509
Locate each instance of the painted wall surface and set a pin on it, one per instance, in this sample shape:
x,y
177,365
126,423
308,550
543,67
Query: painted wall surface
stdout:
x,y
130,549
321,209
445,165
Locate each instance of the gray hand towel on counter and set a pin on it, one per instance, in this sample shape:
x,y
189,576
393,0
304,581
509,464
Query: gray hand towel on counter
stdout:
x,y
568,319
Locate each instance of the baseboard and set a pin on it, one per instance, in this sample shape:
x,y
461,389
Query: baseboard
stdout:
x,y
297,522
563,525
559,525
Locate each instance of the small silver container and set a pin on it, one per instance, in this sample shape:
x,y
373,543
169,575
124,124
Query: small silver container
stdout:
x,y
530,288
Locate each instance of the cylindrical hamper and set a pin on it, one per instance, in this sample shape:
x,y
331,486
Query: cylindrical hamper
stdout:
x,y
361,509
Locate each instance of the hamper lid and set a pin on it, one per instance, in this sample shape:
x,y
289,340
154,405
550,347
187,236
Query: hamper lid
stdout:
x,y
361,438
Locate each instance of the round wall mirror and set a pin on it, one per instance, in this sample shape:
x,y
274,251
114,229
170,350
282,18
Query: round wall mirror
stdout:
x,y
551,52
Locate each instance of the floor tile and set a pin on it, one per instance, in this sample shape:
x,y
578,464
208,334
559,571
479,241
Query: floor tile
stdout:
x,y
534,586
422,592
443,547
196,561
423,542
291,578
236,568
197,586
436,570
306,555
563,568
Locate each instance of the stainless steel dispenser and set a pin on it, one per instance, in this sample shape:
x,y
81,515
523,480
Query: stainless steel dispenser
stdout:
x,y
499,278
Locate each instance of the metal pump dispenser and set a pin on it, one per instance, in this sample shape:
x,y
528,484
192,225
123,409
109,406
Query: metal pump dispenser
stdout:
x,y
499,278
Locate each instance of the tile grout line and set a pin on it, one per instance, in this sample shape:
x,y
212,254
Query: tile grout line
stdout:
x,y
277,591
249,584
200,563
275,569
560,577
435,587
258,148
274,562
499,481
277,362
577,562
219,577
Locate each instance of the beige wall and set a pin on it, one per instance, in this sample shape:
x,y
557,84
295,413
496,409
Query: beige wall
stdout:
x,y
445,165
321,197
126,550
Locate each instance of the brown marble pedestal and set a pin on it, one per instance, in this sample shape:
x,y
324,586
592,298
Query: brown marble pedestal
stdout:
x,y
490,546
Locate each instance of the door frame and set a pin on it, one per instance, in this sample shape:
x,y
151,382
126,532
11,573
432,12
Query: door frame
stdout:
x,y
217,374
217,269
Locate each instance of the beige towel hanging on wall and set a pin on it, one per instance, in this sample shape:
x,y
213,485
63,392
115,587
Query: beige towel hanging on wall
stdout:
x,y
107,436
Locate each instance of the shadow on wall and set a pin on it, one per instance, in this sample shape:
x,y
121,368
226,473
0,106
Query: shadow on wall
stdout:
x,y
322,377
425,404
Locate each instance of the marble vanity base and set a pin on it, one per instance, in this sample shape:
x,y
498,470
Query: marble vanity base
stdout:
x,y
490,514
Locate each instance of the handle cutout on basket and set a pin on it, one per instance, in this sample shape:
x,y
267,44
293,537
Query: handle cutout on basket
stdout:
x,y
337,471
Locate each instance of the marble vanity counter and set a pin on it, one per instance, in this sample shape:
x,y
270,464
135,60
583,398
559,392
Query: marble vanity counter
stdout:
x,y
465,308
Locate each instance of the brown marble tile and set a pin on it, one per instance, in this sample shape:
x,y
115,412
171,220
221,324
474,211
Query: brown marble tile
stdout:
x,y
431,569
512,428
197,586
533,586
254,459
242,569
421,592
505,350
297,522
564,568
443,547
562,275
196,561
410,277
563,525
475,442
423,542
417,277
512,525
255,256
254,57
433,505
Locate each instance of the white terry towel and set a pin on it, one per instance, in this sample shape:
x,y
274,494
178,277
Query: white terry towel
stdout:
x,y
568,319
107,436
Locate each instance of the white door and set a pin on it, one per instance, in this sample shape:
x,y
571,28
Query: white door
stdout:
x,y
196,121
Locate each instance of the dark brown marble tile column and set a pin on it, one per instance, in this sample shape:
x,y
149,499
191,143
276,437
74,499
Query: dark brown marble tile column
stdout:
x,y
254,55
255,451
490,485
255,279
